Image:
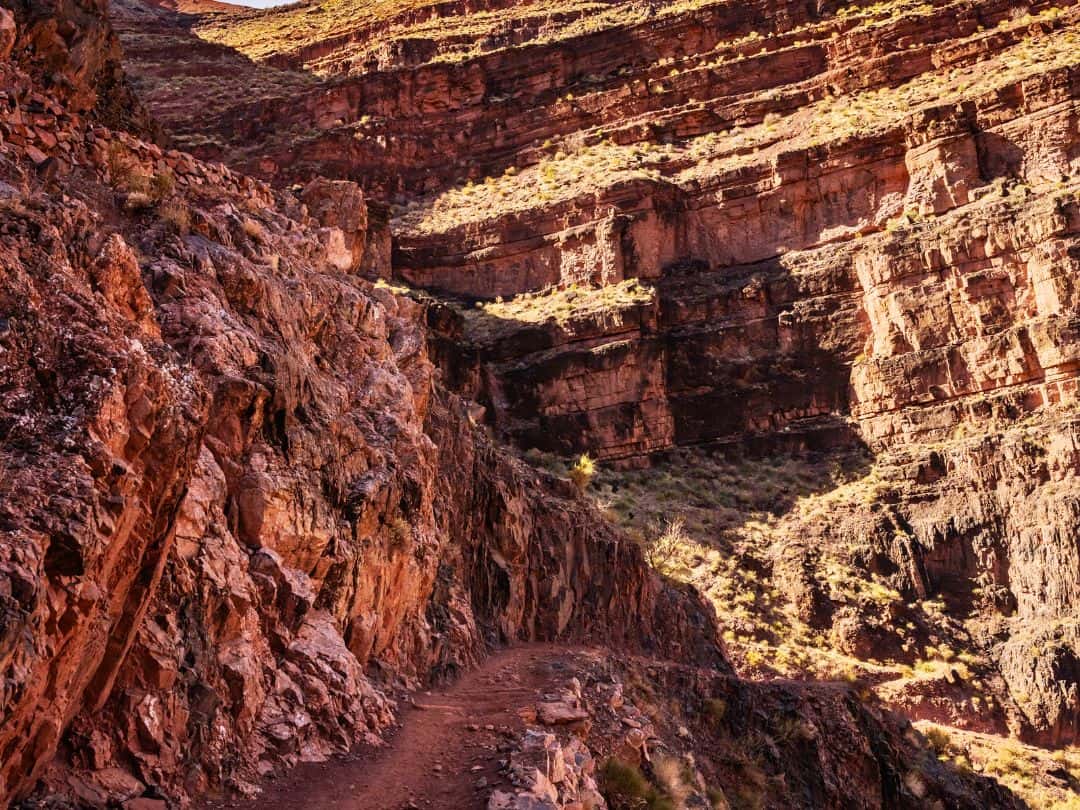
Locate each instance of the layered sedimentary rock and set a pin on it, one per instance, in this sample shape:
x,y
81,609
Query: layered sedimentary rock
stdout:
x,y
237,503
729,139
895,330
247,503
497,88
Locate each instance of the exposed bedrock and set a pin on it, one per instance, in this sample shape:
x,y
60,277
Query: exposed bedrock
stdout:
x,y
239,511
248,495
893,328
439,107
911,291
946,345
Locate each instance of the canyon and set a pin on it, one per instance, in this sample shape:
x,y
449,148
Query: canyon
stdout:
x,y
307,314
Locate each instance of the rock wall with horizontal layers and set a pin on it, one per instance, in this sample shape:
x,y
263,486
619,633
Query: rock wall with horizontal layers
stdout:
x,y
766,226
239,511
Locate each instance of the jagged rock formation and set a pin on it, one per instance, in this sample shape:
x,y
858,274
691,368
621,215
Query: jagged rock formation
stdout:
x,y
233,489
244,499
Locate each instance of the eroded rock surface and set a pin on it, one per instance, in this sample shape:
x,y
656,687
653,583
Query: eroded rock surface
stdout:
x,y
651,732
239,508
250,496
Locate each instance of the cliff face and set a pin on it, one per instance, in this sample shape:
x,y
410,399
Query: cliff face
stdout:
x,y
902,284
237,503
791,232
250,496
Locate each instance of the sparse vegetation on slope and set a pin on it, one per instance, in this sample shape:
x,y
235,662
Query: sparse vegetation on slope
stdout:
x,y
565,173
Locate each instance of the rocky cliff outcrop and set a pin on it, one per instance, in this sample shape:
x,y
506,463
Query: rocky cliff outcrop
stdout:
x,y
238,504
250,496
717,742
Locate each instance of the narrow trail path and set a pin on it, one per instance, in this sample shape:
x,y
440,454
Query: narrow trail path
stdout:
x,y
444,757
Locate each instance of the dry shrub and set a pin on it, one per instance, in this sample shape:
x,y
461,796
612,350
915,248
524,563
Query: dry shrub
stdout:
x,y
176,215
663,549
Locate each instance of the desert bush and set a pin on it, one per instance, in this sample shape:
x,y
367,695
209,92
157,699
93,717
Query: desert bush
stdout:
x,y
1008,758
938,740
125,173
672,776
717,798
663,548
626,788
138,201
793,729
583,471
162,185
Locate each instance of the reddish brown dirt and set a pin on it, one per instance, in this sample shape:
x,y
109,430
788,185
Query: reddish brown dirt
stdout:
x,y
430,761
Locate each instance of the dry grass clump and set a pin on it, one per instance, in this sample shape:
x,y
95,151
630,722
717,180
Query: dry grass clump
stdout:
x,y
1033,773
176,215
490,320
125,171
142,189
253,229
662,549
845,583
127,174
145,186
716,709
626,788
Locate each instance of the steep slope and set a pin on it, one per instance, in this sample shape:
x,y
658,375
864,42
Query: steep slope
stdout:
x,y
828,249
237,504
243,512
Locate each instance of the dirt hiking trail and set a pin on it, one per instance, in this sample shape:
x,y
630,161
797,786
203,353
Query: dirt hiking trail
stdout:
x,y
445,756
